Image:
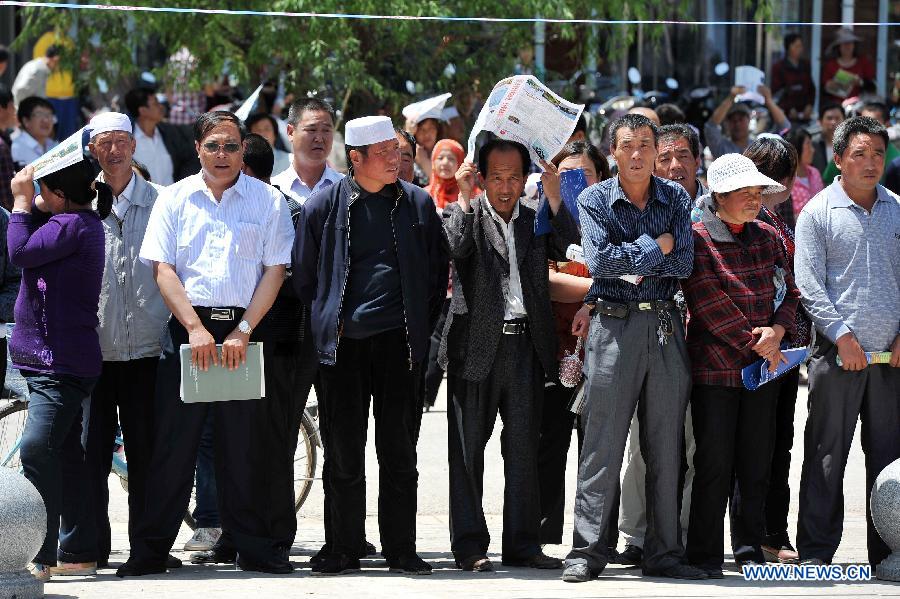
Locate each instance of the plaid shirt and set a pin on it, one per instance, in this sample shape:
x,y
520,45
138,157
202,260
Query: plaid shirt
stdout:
x,y
729,293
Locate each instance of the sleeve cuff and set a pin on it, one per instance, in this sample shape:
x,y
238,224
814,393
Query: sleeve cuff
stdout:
x,y
836,331
652,254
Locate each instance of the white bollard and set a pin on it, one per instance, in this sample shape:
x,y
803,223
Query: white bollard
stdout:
x,y
885,505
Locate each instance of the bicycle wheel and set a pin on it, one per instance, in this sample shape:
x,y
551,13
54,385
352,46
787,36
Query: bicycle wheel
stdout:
x,y
305,459
12,423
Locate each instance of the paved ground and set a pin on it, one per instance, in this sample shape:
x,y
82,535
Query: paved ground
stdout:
x,y
433,542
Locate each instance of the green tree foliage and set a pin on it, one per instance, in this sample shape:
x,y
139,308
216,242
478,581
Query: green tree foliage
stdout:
x,y
364,64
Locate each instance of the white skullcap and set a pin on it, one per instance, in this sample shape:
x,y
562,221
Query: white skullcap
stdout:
x,y
368,130
109,121
432,108
449,113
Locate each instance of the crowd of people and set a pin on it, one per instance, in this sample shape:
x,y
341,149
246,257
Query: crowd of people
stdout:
x,y
370,285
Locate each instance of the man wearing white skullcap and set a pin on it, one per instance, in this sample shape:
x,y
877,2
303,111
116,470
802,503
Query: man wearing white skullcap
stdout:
x,y
132,314
370,258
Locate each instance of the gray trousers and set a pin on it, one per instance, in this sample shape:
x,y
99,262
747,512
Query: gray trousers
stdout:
x,y
514,388
626,367
633,503
837,398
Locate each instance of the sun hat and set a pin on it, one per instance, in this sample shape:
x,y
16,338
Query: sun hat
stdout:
x,y
430,108
735,171
843,35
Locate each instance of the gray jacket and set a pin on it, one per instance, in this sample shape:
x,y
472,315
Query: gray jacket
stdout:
x,y
132,312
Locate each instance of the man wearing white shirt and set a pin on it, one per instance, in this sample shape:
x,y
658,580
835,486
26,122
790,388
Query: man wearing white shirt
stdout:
x,y
310,126
219,242
164,148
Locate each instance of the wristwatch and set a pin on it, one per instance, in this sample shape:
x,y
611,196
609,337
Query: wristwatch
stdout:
x,y
245,327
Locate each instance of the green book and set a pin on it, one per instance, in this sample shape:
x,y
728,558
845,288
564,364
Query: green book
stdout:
x,y
220,384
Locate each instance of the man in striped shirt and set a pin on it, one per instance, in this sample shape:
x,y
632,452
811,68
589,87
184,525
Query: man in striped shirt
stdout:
x,y
633,225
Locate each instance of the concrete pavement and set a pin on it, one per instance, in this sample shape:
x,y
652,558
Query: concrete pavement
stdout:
x,y
433,543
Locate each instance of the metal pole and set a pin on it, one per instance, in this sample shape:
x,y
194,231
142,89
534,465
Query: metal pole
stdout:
x,y
815,51
847,12
540,30
881,65
590,61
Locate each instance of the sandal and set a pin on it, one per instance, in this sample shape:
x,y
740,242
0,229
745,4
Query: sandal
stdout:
x,y
475,563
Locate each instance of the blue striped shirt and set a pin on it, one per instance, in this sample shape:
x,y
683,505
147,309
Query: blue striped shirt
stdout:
x,y
618,239
219,249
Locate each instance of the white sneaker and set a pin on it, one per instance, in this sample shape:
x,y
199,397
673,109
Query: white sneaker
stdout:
x,y
203,539
40,571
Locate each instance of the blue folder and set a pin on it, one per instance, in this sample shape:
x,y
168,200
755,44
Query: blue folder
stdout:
x,y
757,374
571,184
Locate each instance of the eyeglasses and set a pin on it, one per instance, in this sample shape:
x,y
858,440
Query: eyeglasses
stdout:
x,y
212,147
43,115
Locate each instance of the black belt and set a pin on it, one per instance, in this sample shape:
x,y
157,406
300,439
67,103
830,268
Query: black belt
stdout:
x,y
515,327
621,310
222,314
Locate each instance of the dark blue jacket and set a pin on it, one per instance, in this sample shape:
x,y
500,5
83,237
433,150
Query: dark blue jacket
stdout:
x,y
321,262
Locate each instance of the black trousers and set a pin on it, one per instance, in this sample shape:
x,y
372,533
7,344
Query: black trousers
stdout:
x,y
734,430
837,399
244,510
433,374
778,498
514,388
378,369
123,395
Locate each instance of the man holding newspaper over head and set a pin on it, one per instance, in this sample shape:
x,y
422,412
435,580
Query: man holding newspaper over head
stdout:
x,y
639,225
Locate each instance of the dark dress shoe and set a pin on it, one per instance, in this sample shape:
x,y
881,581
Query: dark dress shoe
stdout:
x,y
369,549
172,562
335,564
577,573
712,572
679,571
538,560
273,566
214,556
409,564
632,556
134,567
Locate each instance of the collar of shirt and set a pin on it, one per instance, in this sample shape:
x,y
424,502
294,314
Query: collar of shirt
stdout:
x,y
388,191
122,201
25,138
291,180
503,224
139,133
840,199
619,194
198,183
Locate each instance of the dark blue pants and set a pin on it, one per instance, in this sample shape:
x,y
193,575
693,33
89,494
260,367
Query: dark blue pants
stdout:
x,y
53,460
206,512
123,394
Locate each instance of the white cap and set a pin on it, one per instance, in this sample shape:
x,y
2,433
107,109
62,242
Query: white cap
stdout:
x,y
735,171
432,108
368,130
109,121
449,113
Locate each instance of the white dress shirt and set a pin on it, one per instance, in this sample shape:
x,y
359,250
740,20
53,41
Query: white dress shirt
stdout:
x,y
122,201
219,249
152,153
26,149
289,182
515,299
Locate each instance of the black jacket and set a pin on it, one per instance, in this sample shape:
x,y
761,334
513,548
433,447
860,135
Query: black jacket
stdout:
x,y
179,142
321,262
480,259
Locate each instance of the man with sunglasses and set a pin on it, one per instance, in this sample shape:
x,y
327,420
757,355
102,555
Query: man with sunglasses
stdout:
x,y
218,242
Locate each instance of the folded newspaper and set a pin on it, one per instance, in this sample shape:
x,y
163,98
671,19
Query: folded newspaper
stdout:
x,y
67,153
249,104
218,383
522,109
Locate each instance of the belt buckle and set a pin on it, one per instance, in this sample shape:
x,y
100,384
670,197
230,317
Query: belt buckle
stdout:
x,y
221,314
645,305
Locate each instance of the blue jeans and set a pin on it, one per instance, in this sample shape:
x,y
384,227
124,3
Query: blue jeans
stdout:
x,y
206,513
53,460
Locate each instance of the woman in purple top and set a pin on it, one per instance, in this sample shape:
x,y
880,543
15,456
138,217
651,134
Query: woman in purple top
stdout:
x,y
57,240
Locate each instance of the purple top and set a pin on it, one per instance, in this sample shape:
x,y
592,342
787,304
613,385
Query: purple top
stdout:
x,y
62,260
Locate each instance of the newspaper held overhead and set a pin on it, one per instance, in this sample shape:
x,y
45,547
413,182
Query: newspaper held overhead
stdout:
x,y
750,78
249,104
65,154
522,109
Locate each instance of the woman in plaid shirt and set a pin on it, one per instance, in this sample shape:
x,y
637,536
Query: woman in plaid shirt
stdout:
x,y
734,320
